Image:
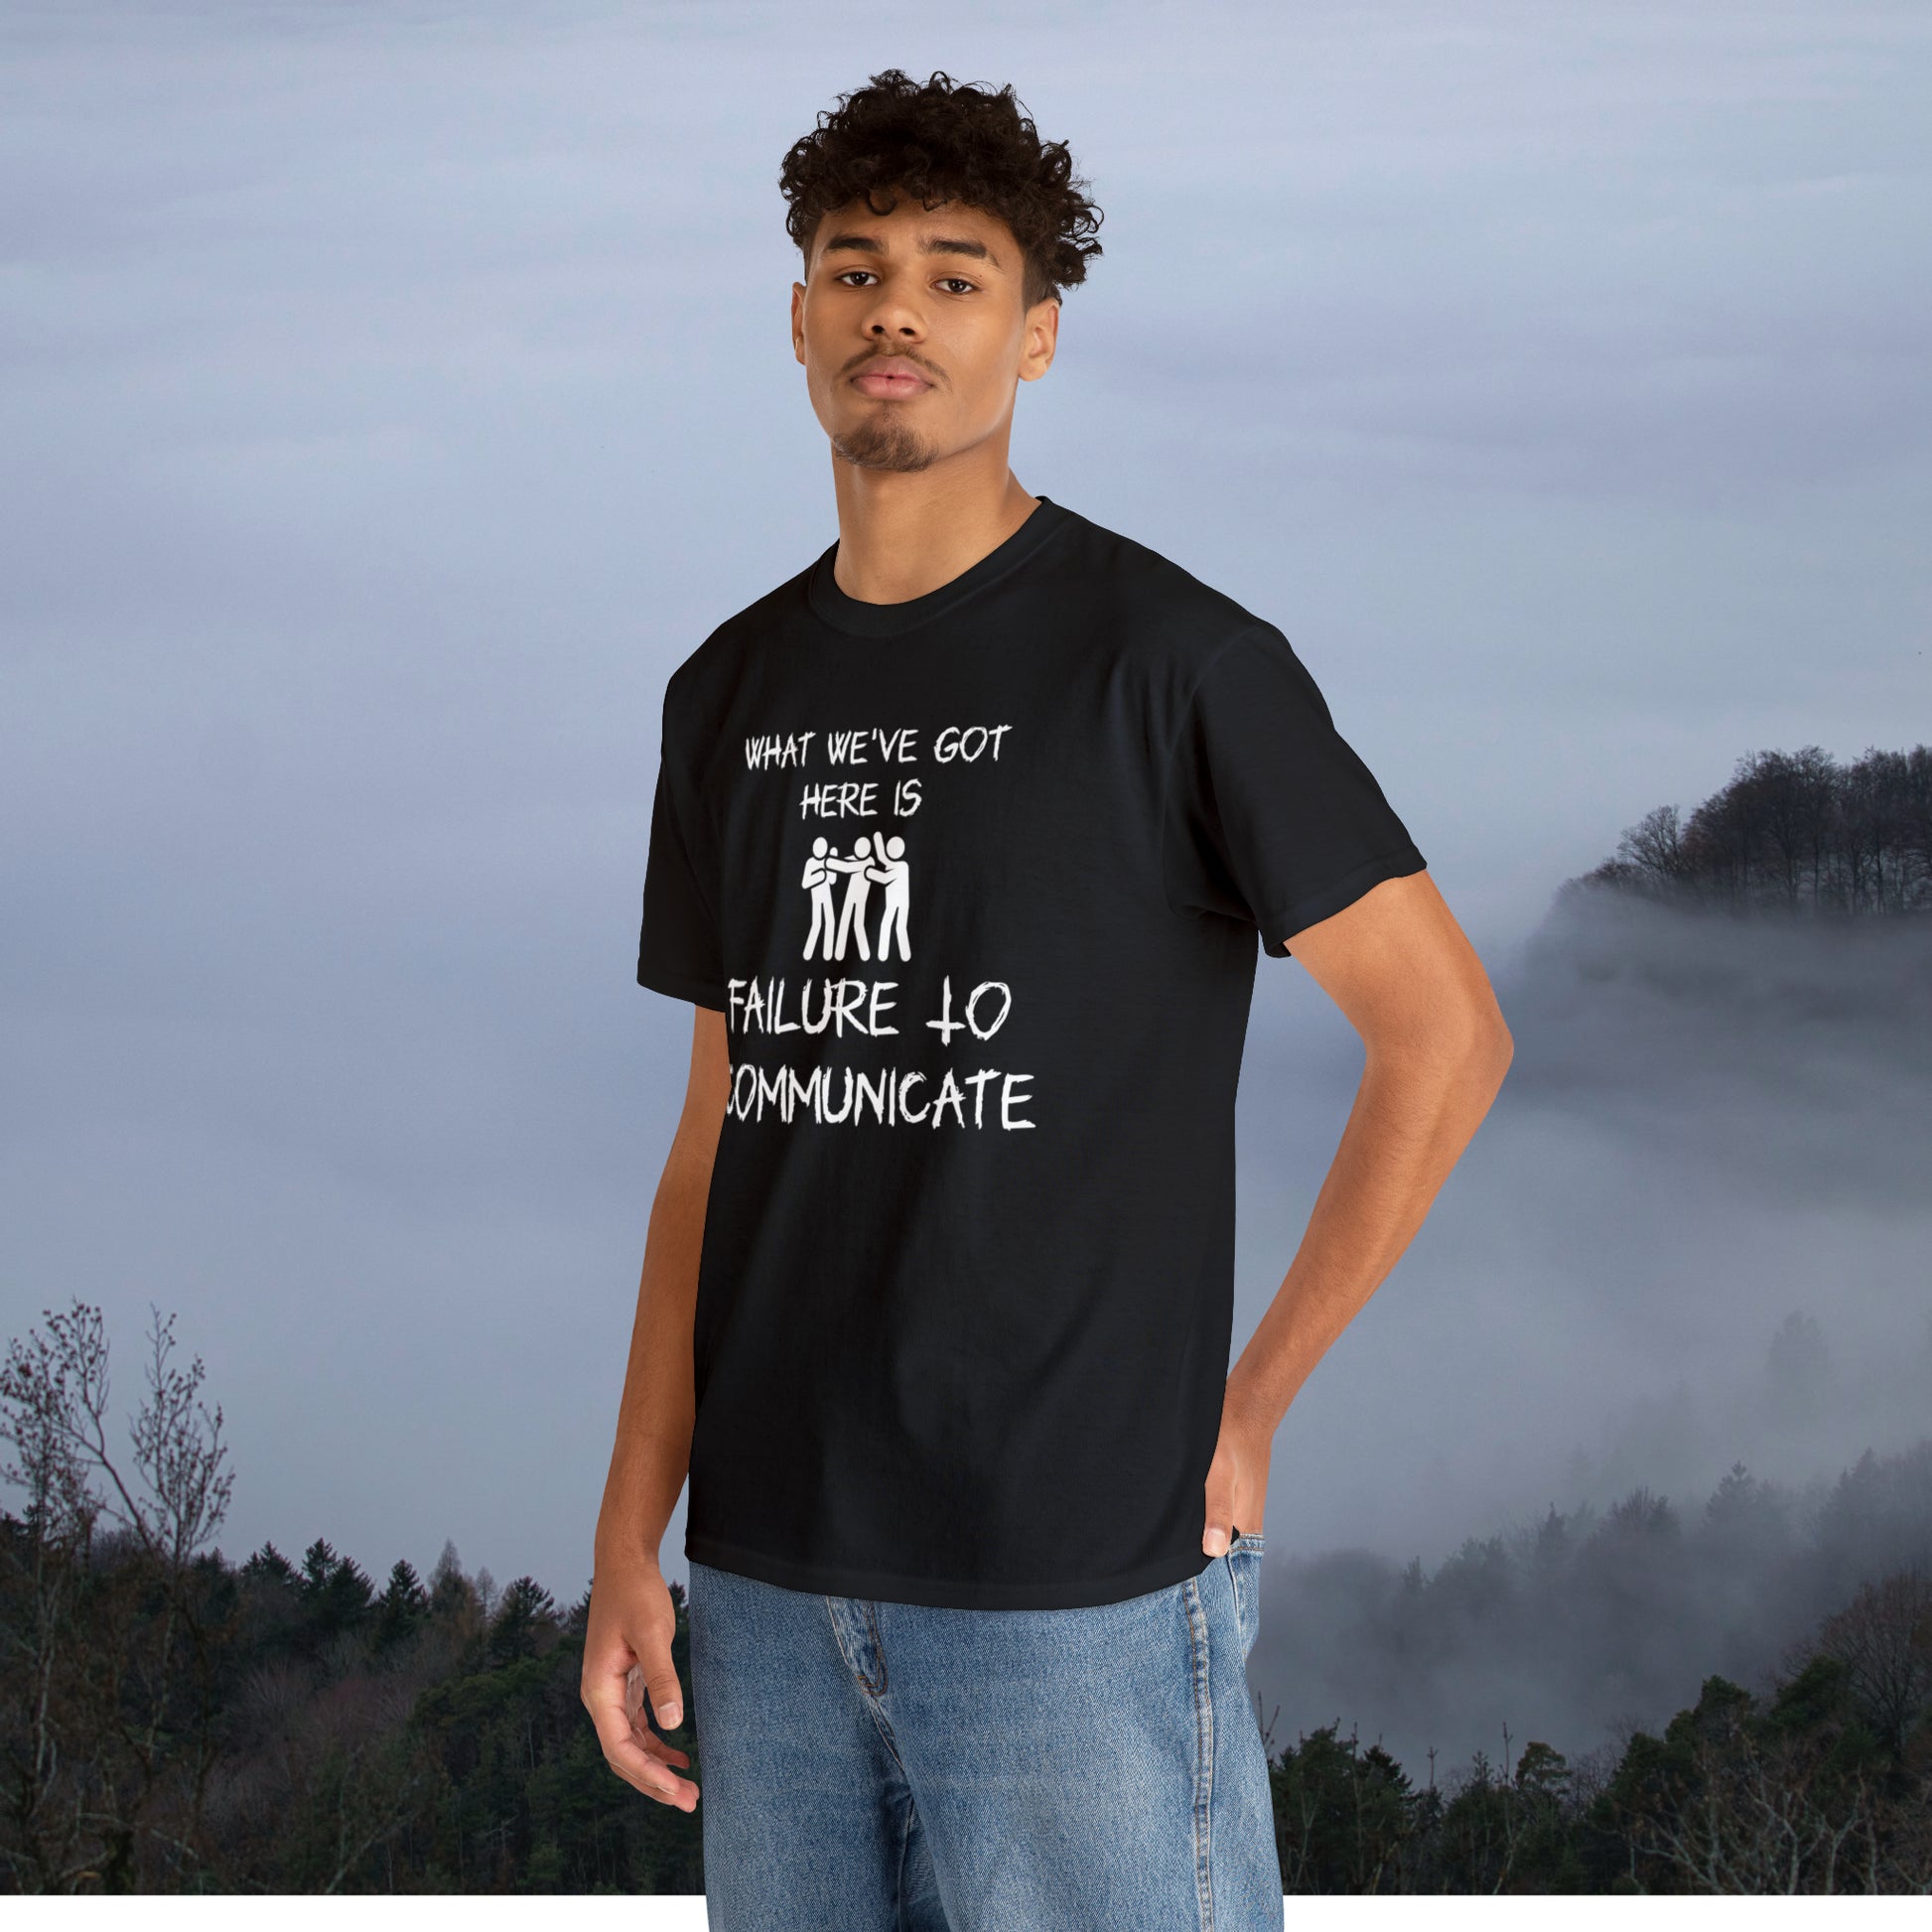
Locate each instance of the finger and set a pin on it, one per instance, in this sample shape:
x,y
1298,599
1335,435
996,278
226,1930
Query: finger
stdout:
x,y
665,1693
654,1689
621,1740
637,1766
650,1741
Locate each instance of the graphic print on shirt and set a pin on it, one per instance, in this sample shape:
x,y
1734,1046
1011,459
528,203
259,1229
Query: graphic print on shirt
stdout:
x,y
881,861
854,908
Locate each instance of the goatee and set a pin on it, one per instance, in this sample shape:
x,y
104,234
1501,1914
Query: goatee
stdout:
x,y
882,441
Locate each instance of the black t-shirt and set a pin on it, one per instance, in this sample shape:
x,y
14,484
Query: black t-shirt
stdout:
x,y
976,881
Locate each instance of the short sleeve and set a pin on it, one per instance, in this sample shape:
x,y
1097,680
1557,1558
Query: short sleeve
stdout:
x,y
678,949
1269,816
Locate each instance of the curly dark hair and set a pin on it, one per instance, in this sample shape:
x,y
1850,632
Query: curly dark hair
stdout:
x,y
942,141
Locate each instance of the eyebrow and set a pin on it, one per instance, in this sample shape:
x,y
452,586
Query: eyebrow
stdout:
x,y
929,244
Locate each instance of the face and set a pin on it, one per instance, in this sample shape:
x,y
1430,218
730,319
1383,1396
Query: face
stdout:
x,y
939,292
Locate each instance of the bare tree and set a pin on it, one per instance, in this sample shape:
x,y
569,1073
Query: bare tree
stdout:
x,y
1765,1808
109,1672
1792,831
1885,1638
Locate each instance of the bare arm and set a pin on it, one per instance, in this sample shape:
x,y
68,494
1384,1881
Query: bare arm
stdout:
x,y
1409,983
631,1618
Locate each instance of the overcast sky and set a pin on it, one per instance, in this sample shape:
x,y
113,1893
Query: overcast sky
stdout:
x,y
395,395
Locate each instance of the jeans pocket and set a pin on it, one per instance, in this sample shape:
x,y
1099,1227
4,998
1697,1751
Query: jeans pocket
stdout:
x,y
1243,1560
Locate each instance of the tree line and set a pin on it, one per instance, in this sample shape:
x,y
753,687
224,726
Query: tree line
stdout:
x,y
1793,832
170,1722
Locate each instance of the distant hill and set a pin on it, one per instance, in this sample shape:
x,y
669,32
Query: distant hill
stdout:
x,y
1775,947
1793,832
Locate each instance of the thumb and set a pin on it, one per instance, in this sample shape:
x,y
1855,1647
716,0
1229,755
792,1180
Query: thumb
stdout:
x,y
665,1694
1219,1533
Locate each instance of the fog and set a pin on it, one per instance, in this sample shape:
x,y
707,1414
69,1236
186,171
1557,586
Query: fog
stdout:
x,y
1692,1233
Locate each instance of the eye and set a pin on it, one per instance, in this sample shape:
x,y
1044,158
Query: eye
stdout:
x,y
843,273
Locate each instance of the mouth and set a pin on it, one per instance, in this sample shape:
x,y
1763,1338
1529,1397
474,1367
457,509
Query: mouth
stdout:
x,y
889,383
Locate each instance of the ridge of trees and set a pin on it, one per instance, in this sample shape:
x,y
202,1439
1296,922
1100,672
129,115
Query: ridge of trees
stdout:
x,y
169,1722
1792,832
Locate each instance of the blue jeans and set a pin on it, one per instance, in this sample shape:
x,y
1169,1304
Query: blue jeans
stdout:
x,y
892,1767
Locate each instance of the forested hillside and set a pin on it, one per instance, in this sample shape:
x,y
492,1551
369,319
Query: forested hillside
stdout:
x,y
173,1721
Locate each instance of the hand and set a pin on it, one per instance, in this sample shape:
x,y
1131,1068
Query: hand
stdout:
x,y
626,1654
1237,1480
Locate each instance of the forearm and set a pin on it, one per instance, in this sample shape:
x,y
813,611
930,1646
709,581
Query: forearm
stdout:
x,y
1414,1113
652,1453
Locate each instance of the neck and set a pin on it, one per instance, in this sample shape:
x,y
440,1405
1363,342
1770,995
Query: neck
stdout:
x,y
903,534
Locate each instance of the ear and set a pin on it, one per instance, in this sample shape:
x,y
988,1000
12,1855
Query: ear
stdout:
x,y
1042,338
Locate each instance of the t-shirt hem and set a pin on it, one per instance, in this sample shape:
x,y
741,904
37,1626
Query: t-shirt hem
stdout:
x,y
681,985
941,1592
1333,898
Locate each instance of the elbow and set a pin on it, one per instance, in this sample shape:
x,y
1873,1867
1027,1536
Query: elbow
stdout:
x,y
1501,1050
1488,1041
1489,1058
1495,1040
1473,1048
1485,1057
1481,1030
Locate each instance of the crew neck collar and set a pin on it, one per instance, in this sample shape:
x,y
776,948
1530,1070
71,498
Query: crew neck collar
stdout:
x,y
860,619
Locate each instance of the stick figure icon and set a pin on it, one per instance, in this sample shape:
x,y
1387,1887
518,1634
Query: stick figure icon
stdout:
x,y
894,872
872,862
858,883
818,881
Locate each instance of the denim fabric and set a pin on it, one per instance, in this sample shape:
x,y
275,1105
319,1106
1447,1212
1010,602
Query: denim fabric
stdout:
x,y
892,1767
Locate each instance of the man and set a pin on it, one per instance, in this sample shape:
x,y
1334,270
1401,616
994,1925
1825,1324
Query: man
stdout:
x,y
896,875
858,881
818,881
937,1294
